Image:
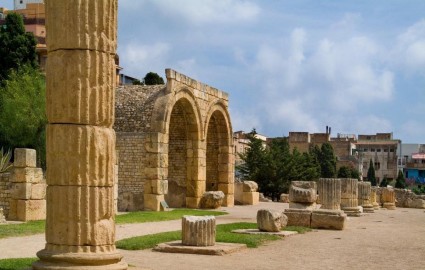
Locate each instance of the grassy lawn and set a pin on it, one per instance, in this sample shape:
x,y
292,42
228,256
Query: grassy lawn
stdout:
x,y
28,228
35,227
149,216
16,264
223,234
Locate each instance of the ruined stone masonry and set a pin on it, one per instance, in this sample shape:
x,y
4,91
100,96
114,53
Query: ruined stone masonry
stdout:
x,y
349,200
388,198
174,143
364,196
80,226
28,188
198,231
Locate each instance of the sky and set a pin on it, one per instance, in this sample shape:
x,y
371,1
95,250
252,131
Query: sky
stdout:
x,y
356,66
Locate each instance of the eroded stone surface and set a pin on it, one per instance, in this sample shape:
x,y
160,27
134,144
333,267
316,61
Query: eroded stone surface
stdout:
x,y
298,217
330,193
328,219
198,231
303,192
212,199
271,221
364,196
250,186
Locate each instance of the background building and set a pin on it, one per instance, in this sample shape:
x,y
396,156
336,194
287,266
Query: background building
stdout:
x,y
411,160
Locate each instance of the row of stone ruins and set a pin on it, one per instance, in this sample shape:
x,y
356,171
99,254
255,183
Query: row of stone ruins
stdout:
x,y
338,198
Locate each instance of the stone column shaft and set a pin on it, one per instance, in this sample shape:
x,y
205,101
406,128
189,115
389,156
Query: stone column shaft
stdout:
x,y
364,196
349,200
80,94
330,193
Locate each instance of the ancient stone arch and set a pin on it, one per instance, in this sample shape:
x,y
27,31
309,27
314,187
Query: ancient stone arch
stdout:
x,y
173,144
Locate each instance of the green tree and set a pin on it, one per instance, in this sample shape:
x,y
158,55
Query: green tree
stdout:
x,y
153,78
344,172
384,182
17,48
327,161
253,159
23,111
400,181
371,174
137,82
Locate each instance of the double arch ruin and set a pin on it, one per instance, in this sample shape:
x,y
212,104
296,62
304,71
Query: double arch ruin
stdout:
x,y
174,143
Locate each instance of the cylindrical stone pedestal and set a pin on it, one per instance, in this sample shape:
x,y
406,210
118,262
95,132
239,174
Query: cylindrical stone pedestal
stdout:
x,y
364,196
198,231
80,97
330,193
388,198
349,200
373,198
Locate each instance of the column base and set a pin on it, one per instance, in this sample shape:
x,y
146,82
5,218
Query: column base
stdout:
x,y
353,211
79,261
389,206
368,209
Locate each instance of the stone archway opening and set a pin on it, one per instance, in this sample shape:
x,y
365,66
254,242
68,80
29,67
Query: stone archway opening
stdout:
x,y
218,156
183,144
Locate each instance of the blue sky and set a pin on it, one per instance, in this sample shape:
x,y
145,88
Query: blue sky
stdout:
x,y
357,66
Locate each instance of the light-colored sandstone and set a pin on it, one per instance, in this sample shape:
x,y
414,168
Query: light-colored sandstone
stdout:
x,y
373,198
27,175
198,231
24,158
364,196
212,199
298,217
271,221
2,218
328,219
250,186
303,192
330,193
349,197
250,198
388,198
80,227
27,210
284,198
21,191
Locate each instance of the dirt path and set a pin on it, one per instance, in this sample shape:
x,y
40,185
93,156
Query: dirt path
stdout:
x,y
383,240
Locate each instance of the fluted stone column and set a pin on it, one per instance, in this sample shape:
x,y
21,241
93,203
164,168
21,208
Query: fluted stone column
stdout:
x,y
80,73
364,197
349,200
330,193
198,231
388,198
373,198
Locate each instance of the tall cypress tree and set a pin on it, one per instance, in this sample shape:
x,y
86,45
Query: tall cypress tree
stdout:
x,y
327,161
400,181
371,174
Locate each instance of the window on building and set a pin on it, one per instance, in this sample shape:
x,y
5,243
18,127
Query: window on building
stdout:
x,y
377,165
372,149
365,150
378,150
385,150
392,150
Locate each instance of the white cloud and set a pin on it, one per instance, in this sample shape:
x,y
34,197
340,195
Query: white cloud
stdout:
x,y
245,120
410,50
135,56
210,11
412,129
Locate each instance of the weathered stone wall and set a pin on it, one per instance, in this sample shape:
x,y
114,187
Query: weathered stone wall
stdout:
x,y
408,199
163,145
5,193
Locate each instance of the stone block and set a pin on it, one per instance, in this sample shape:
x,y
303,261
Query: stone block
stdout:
x,y
28,210
21,191
198,231
250,198
308,206
88,95
80,155
303,191
227,188
238,193
195,188
153,202
158,187
90,25
212,200
284,198
229,200
24,157
130,201
298,217
328,219
193,202
353,211
38,191
92,208
13,207
250,186
271,221
418,203
27,175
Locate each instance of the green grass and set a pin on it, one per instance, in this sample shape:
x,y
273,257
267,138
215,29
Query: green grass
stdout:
x,y
28,228
223,234
16,264
35,227
150,216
